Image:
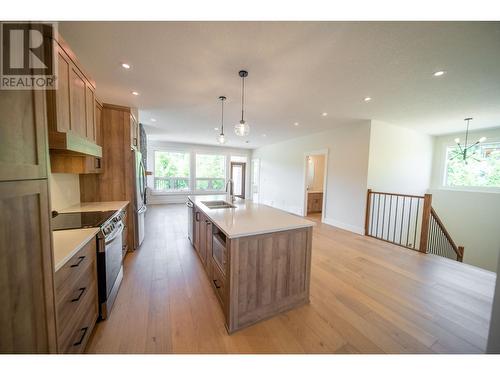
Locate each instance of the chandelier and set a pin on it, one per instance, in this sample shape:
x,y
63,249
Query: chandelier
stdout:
x,y
466,150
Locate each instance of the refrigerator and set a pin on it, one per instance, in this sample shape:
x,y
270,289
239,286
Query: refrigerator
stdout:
x,y
140,198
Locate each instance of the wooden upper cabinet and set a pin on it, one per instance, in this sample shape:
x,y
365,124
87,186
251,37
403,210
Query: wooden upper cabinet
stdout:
x,y
77,102
98,123
90,112
61,116
23,135
27,316
71,107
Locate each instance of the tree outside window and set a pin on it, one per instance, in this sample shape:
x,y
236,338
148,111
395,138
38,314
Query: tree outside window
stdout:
x,y
171,171
482,168
210,172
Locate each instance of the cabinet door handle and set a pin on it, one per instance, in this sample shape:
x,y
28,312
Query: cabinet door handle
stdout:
x,y
80,260
197,216
82,290
84,332
215,283
208,222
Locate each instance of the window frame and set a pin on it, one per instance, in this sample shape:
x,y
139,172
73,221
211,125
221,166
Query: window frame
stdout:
x,y
192,151
189,189
444,175
210,153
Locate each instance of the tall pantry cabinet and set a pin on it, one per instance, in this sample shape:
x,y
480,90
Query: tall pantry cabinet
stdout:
x,y
27,316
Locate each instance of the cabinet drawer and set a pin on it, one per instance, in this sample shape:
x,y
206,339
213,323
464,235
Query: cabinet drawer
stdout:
x,y
219,283
75,337
72,299
69,274
219,252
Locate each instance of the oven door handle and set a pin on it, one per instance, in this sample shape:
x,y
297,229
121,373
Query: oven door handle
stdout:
x,y
116,232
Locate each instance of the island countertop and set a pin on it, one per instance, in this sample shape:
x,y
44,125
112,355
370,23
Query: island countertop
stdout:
x,y
248,218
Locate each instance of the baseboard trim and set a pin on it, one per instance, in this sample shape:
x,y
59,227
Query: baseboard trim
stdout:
x,y
349,227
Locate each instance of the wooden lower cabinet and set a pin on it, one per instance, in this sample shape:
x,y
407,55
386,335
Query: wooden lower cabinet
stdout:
x,y
76,299
27,316
255,277
314,202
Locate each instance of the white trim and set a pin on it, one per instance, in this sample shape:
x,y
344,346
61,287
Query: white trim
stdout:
x,y
338,224
324,152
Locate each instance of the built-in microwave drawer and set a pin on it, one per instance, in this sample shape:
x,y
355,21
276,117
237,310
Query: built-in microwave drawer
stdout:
x,y
219,251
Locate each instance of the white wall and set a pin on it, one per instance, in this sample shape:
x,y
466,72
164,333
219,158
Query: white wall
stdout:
x,y
400,159
164,197
282,173
64,190
472,219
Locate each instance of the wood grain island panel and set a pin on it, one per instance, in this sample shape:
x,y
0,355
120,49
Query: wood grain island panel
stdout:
x,y
264,275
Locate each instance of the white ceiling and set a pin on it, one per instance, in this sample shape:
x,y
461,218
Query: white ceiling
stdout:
x,y
297,70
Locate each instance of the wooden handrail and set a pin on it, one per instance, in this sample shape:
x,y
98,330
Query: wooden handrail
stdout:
x,y
459,250
395,194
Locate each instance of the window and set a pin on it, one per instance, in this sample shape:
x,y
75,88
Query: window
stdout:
x,y
171,171
210,172
481,170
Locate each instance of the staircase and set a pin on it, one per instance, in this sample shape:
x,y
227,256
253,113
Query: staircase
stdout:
x,y
409,221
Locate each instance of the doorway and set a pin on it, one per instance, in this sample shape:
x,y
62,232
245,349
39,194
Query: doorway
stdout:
x,y
315,184
238,172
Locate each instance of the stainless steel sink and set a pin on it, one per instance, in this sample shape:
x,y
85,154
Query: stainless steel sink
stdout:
x,y
218,204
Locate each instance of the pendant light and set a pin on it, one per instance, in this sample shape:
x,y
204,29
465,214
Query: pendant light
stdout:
x,y
222,138
242,129
463,150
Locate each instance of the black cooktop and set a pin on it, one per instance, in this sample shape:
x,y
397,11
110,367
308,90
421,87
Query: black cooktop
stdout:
x,y
77,220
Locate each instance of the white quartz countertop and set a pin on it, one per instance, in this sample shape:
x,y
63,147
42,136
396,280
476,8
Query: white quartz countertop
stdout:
x,y
248,218
68,242
95,206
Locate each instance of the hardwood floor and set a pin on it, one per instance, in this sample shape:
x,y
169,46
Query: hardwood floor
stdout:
x,y
367,296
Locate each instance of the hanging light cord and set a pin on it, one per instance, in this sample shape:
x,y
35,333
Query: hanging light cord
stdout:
x,y
242,96
222,124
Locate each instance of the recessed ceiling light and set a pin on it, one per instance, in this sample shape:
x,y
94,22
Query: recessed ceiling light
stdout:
x,y
153,120
264,135
216,129
135,93
439,73
296,123
324,114
125,66
367,99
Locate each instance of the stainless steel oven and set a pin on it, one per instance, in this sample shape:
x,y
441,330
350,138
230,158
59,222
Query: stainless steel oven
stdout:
x,y
109,262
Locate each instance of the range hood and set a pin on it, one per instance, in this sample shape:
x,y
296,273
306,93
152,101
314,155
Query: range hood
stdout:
x,y
74,144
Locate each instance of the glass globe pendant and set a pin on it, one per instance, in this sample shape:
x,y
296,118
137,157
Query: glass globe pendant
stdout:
x,y
242,129
222,138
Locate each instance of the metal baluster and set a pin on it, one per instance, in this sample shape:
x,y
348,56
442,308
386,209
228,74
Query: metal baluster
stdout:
x,y
408,228
416,221
373,209
395,220
378,214
389,225
402,221
383,218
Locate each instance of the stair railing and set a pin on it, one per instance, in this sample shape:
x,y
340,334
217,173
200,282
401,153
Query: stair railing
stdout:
x,y
408,221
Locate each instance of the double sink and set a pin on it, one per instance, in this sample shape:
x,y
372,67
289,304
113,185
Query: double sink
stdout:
x,y
218,204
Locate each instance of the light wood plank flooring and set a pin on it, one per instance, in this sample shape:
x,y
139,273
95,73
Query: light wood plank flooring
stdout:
x,y
367,296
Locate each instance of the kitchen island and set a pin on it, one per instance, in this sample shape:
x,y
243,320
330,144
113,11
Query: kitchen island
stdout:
x,y
257,258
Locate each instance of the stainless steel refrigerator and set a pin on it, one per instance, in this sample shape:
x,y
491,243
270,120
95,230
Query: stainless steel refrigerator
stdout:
x,y
140,198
